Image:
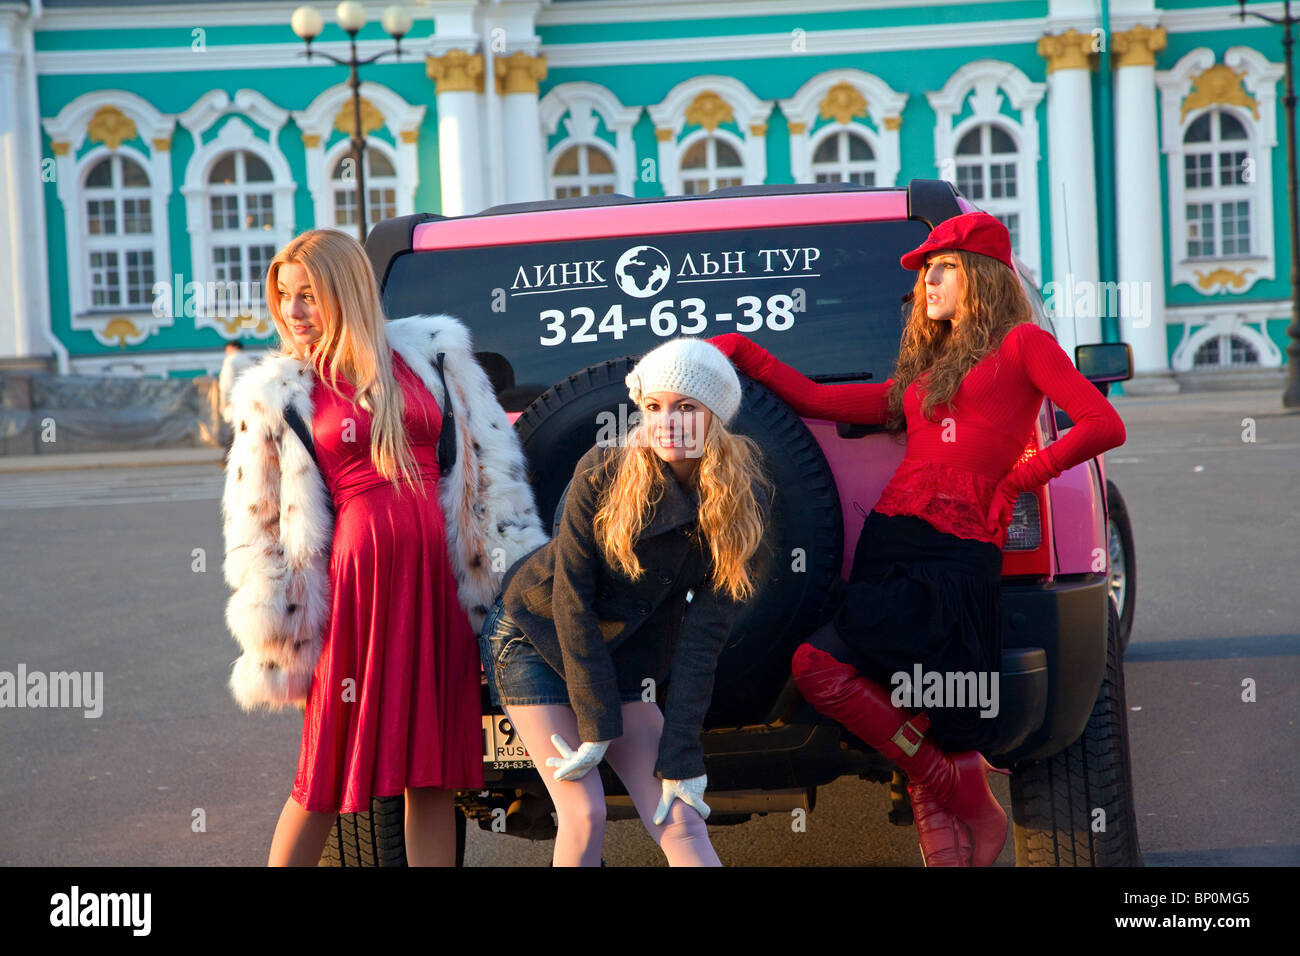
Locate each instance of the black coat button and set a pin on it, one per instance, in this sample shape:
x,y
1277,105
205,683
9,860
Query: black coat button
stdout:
x,y
665,577
642,607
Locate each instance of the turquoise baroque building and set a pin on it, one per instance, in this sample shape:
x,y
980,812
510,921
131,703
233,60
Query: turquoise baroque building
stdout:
x,y
156,155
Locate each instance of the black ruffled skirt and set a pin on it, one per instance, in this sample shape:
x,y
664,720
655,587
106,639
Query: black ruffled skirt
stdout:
x,y
917,595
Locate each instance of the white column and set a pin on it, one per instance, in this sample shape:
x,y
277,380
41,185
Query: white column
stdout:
x,y
1139,209
24,292
458,79
524,150
1073,185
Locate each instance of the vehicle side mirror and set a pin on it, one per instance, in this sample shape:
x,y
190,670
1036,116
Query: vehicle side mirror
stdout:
x,y
1105,362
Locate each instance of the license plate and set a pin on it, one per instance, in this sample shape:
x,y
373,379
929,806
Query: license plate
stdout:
x,y
502,747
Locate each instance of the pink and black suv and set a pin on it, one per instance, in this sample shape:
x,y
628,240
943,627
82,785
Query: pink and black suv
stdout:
x,y
562,295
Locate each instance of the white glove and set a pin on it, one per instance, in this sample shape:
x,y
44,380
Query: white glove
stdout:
x,y
574,764
689,792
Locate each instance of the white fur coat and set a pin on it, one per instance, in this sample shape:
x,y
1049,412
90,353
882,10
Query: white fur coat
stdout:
x,y
278,523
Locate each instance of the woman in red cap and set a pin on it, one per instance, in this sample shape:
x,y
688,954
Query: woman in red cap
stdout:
x,y
972,371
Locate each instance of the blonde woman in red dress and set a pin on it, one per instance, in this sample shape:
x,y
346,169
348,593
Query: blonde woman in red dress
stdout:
x,y
972,371
360,571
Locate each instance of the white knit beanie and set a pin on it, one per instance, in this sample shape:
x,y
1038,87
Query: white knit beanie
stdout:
x,y
688,367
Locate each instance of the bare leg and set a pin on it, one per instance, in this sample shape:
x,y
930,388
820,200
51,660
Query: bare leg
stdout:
x,y
430,827
579,804
683,836
300,836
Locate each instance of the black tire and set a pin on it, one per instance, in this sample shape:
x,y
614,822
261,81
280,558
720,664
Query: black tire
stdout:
x,y
1054,801
564,422
378,838
1119,533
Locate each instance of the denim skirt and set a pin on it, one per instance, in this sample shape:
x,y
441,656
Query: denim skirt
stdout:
x,y
516,671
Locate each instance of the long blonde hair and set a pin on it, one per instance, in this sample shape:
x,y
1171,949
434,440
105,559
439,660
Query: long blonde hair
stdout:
x,y
730,517
353,344
991,304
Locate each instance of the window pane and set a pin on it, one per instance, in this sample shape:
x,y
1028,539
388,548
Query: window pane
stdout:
x,y
1002,141
225,212
827,178
726,155
345,170
100,175
696,156
1243,353
1200,230
255,170
1002,180
101,217
1207,354
139,276
859,148
1230,127
1235,226
970,181
259,214
1198,132
1232,167
863,178
133,174
970,143
1012,222
826,151
345,207
136,218
567,164
598,161
379,164
224,170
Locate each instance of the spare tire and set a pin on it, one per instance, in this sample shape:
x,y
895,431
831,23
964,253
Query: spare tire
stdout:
x,y
805,530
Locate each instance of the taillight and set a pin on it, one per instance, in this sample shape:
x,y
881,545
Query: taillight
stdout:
x,y
1026,530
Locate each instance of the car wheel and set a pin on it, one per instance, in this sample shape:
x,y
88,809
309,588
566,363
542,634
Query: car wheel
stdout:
x,y
1123,565
1076,808
378,838
806,530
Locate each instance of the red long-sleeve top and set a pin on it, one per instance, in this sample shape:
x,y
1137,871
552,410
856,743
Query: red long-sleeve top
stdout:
x,y
975,449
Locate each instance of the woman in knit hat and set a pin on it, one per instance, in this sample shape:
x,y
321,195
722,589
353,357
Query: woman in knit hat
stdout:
x,y
590,627
972,370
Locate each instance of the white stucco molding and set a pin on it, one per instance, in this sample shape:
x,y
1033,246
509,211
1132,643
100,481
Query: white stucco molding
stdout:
x,y
1234,274
402,119
986,82
1227,318
578,105
213,105
883,103
749,112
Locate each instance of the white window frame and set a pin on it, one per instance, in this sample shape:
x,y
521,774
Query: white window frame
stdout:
x,y
585,181
843,166
884,109
998,206
1227,320
69,130
711,172
1237,273
337,154
986,83
1216,194
118,242
578,106
750,114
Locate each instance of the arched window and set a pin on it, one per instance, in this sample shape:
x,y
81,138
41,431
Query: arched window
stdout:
x,y
1217,182
381,188
582,171
1225,351
242,217
986,159
119,234
844,157
710,163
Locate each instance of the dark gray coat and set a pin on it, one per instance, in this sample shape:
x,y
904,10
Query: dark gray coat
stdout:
x,y
605,633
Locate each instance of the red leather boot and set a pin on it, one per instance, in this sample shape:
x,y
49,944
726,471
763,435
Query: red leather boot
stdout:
x,y
940,784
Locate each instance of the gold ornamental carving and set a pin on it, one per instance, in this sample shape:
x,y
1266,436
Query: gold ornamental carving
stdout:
x,y
371,118
893,122
60,149
664,135
162,145
759,129
709,110
410,135
1220,85
1224,277
111,127
1138,47
798,129
311,140
519,72
1070,50
456,71
843,101
121,328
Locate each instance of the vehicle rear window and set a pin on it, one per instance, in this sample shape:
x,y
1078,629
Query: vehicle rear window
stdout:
x,y
827,299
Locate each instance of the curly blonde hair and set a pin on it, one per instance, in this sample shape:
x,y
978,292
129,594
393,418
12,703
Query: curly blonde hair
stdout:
x,y
991,304
730,517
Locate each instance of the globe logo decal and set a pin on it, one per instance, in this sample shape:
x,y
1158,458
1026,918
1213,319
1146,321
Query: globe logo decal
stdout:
x,y
642,271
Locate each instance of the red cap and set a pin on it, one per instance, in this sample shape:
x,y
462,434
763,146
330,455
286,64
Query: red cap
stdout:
x,y
970,232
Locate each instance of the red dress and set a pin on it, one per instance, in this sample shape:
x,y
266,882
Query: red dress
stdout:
x,y
409,716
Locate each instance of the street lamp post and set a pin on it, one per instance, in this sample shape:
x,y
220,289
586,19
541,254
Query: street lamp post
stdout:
x,y
1290,397
307,25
